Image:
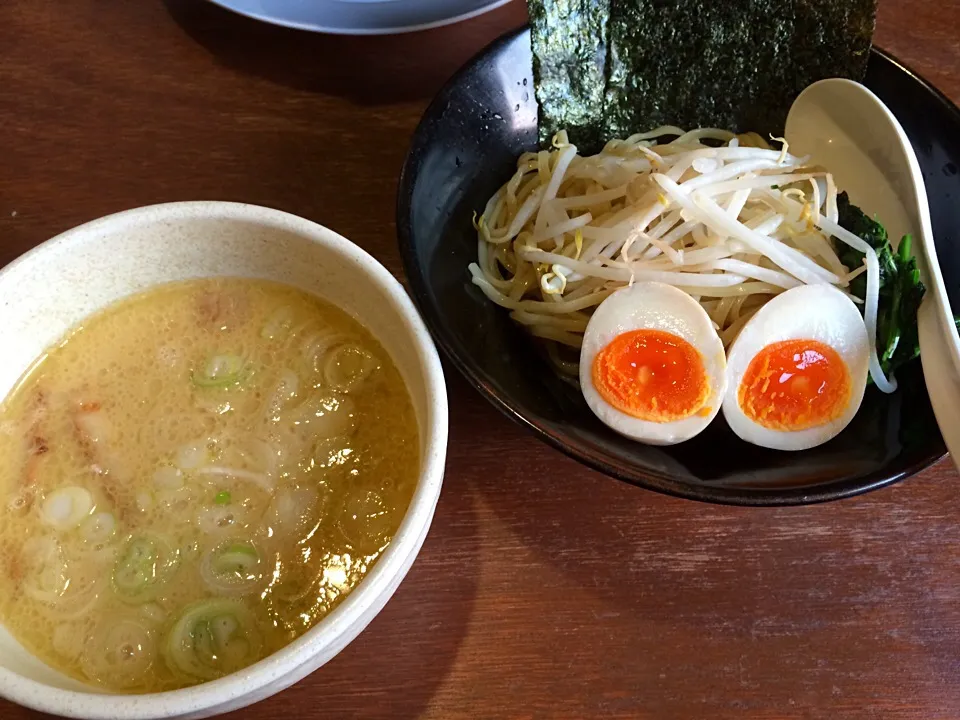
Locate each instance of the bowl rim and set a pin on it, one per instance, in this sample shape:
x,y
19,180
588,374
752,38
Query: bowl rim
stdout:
x,y
247,686
401,28
657,481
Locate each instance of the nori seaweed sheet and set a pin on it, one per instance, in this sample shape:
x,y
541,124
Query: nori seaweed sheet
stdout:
x,y
735,64
569,66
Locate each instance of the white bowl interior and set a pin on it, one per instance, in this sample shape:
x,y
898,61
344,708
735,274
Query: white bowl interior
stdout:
x,y
53,288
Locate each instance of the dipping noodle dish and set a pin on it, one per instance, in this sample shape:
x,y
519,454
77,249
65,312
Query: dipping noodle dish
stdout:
x,y
193,478
675,275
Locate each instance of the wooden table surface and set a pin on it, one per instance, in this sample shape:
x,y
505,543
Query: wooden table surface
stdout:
x,y
544,589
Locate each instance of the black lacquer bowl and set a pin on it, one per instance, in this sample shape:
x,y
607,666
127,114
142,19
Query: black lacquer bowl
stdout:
x,y
466,147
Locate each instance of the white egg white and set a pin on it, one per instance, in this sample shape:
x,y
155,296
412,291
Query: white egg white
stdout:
x,y
653,306
809,312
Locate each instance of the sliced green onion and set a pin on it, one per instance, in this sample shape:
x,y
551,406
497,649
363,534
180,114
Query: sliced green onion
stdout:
x,y
292,512
144,501
46,576
222,497
213,638
144,566
193,455
119,652
137,567
347,367
232,568
99,527
239,559
279,323
67,507
220,371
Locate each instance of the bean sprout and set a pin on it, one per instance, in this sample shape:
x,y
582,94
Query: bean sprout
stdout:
x,y
722,223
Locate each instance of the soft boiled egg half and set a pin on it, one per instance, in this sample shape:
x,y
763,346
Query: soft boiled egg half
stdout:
x,y
797,370
652,366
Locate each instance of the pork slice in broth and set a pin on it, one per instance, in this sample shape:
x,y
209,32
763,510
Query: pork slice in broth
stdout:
x,y
94,431
36,447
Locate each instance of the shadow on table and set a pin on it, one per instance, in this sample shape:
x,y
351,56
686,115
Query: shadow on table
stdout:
x,y
669,561
639,553
373,70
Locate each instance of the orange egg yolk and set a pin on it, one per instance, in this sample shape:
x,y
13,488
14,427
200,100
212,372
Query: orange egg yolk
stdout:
x,y
795,385
652,375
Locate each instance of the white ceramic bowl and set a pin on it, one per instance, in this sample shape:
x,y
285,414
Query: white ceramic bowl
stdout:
x,y
53,287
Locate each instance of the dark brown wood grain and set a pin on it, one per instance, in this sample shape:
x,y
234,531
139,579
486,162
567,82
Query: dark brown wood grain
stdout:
x,y
544,589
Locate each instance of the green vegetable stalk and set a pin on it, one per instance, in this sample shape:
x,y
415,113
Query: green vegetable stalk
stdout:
x,y
901,290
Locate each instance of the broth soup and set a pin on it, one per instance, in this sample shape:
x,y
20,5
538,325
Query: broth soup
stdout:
x,y
193,478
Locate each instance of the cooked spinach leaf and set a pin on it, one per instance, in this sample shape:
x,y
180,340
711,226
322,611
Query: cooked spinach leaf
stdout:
x,y
901,290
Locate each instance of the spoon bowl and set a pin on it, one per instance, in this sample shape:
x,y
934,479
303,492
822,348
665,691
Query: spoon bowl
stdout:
x,y
844,126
